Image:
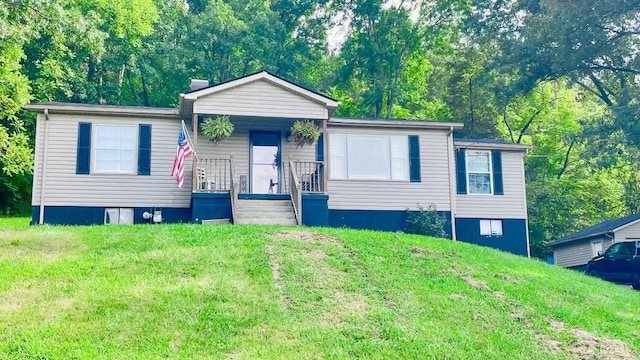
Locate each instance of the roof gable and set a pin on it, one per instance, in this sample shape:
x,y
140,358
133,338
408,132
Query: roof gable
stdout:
x,y
267,77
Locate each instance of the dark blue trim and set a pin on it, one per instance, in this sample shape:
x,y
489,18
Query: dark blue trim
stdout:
x,y
265,138
265,196
169,214
384,220
209,206
496,160
144,149
83,155
513,239
320,148
461,172
315,211
35,215
94,215
414,158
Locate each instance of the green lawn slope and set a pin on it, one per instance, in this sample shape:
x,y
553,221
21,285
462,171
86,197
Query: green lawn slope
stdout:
x,y
247,292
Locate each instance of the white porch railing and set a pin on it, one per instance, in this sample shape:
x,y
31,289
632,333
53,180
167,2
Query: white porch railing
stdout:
x,y
214,175
296,193
310,174
233,189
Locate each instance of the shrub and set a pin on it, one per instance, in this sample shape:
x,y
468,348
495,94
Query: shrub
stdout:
x,y
304,133
217,129
426,221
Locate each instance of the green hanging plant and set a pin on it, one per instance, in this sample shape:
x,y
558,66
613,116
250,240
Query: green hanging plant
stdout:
x,y
304,133
218,128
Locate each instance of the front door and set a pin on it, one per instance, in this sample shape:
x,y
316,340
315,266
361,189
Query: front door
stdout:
x,y
264,158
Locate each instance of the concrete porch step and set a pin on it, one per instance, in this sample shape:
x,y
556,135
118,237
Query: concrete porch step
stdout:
x,y
266,221
216,221
266,212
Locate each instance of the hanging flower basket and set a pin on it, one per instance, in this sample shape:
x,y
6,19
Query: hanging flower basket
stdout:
x,y
218,128
304,133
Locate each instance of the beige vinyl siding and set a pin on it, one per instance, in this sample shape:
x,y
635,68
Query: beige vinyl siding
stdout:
x,y
511,205
238,144
65,188
398,195
631,232
260,98
577,253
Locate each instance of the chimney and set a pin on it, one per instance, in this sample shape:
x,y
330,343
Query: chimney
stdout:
x,y
197,84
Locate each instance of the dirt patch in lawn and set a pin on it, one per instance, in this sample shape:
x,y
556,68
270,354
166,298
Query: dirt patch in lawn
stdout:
x,y
586,346
275,268
306,236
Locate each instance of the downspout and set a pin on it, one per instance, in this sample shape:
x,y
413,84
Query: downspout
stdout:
x,y
43,175
452,188
524,200
325,156
194,171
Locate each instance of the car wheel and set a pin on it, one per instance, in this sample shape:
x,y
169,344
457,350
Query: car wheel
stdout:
x,y
593,272
636,286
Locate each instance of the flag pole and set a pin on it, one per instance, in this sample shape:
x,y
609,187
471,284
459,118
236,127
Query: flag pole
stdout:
x,y
184,128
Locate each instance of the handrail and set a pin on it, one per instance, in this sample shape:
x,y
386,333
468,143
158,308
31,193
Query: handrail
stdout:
x,y
295,192
233,191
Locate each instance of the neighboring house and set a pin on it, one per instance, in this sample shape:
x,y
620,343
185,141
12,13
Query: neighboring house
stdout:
x,y
100,164
575,250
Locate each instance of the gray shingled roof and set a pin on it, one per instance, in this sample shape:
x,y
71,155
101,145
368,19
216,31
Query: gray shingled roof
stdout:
x,y
598,229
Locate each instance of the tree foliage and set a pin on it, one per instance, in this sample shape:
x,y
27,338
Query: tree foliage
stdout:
x,y
561,76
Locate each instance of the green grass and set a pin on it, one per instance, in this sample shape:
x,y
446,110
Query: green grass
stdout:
x,y
210,292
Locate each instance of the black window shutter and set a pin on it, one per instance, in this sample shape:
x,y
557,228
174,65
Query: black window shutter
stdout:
x,y
83,156
414,158
144,149
496,159
461,171
320,148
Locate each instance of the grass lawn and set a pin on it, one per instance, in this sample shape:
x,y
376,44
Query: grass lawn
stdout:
x,y
211,292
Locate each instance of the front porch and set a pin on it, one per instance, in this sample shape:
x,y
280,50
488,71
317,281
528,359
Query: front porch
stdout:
x,y
258,164
258,160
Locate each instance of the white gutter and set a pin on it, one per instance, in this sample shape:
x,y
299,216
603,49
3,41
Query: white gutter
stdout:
x,y
452,187
43,175
524,200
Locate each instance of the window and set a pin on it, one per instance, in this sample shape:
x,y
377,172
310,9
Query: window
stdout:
x,y
118,216
115,149
479,177
596,247
369,157
491,227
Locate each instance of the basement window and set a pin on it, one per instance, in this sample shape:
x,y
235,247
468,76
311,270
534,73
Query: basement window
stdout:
x,y
118,216
491,227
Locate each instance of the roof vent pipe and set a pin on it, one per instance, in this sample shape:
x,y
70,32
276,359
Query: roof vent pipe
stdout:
x,y
197,84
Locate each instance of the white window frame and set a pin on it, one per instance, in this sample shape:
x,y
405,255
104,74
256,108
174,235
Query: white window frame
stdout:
x,y
593,247
495,227
466,163
95,149
341,141
120,216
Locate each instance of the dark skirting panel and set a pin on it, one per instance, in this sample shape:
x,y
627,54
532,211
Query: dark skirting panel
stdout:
x,y
383,220
315,211
210,206
513,239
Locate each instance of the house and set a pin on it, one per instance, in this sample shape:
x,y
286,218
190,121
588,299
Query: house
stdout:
x,y
575,250
98,164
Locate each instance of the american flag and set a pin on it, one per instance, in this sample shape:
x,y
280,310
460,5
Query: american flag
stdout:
x,y
182,153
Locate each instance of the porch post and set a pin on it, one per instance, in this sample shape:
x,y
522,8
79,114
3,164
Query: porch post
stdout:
x,y
325,153
194,131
